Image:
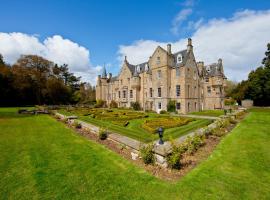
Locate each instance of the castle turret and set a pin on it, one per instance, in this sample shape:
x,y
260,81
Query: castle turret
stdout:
x,y
104,73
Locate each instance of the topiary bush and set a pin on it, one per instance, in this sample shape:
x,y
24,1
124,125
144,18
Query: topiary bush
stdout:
x,y
147,154
102,134
171,106
135,105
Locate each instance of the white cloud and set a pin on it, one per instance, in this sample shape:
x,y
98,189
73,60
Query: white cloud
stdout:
x,y
181,16
188,3
55,48
240,41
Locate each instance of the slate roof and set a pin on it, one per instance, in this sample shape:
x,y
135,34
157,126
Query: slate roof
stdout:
x,y
114,78
133,68
214,69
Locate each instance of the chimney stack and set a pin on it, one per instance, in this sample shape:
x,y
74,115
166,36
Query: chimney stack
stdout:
x,y
220,61
169,48
189,46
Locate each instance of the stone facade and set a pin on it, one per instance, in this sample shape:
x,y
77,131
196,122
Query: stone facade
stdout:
x,y
166,76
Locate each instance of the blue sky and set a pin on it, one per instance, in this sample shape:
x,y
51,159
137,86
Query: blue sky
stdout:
x,y
102,27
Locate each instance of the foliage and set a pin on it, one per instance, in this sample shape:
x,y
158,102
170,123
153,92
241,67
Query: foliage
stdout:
x,y
171,106
86,94
113,104
174,158
163,112
100,103
102,134
136,105
36,80
151,125
193,143
229,102
115,119
257,87
230,87
232,121
147,154
65,120
77,125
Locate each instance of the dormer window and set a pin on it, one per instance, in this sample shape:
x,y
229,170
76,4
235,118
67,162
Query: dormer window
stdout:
x,y
138,69
179,58
146,67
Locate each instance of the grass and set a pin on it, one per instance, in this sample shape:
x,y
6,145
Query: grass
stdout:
x,y
42,159
212,113
135,130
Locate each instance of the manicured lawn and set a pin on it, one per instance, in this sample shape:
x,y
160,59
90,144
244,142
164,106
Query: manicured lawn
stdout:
x,y
134,129
42,159
212,113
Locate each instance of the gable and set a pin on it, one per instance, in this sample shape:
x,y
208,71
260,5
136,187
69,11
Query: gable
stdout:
x,y
158,58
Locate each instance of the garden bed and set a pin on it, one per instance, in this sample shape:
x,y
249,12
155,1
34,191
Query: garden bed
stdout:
x,y
136,124
188,160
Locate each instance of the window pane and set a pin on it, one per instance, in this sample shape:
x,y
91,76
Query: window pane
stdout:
x,y
177,90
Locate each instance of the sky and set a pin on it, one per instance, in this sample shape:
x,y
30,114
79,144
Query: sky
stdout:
x,y
89,34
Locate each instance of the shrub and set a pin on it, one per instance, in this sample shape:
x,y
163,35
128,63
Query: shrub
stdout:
x,y
65,120
232,121
192,144
174,158
163,112
113,104
229,102
102,134
171,106
147,154
100,104
76,124
136,105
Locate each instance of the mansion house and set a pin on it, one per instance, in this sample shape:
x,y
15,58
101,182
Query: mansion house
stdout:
x,y
166,76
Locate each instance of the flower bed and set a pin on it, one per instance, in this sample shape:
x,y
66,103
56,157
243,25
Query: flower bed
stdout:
x,y
151,125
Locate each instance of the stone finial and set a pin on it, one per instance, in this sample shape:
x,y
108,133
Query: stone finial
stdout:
x,y
169,48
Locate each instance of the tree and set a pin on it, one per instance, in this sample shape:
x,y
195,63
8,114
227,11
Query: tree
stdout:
x,y
257,87
230,87
266,60
36,80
